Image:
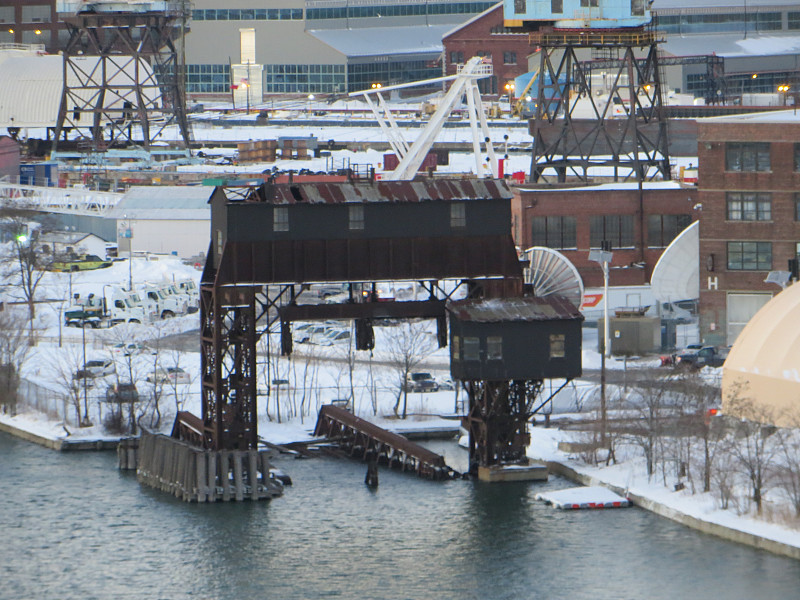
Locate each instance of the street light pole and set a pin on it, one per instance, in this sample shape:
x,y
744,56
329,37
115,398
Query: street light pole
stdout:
x,y
603,256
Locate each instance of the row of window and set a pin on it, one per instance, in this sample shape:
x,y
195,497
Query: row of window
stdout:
x,y
725,22
560,232
469,348
38,13
357,220
248,14
457,57
397,10
754,206
753,156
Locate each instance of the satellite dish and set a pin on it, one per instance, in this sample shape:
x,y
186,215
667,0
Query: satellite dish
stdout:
x,y
551,273
676,275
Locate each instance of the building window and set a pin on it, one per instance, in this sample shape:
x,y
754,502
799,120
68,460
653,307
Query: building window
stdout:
x,y
458,215
617,229
749,206
589,3
457,58
472,348
797,207
520,7
357,217
797,157
749,256
36,14
662,229
554,232
556,6
494,348
557,345
509,58
280,218
747,156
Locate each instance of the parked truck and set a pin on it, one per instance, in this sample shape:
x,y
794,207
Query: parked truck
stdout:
x,y
97,311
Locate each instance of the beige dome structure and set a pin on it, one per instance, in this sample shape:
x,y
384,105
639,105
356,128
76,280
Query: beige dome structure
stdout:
x,y
763,367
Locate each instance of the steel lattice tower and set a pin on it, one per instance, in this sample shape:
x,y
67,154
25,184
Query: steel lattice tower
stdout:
x,y
123,78
626,130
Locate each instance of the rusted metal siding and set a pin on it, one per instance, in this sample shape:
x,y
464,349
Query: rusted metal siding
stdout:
x,y
411,259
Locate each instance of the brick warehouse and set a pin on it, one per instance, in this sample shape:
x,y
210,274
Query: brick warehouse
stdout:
x,y
484,35
575,220
749,188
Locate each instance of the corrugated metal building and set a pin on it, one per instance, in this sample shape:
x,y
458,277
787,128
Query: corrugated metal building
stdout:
x,y
164,220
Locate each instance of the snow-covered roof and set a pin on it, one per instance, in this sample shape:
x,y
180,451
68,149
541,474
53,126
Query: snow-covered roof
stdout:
x,y
629,185
731,45
471,20
773,116
374,41
180,202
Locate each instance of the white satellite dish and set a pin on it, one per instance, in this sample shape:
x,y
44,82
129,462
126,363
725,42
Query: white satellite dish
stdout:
x,y
550,272
676,275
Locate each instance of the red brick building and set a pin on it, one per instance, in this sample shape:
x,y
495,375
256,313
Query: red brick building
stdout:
x,y
575,221
749,188
32,22
485,35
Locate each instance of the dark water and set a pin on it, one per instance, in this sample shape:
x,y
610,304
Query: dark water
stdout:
x,y
74,527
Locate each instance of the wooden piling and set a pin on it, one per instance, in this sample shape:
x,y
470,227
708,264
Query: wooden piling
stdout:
x,y
198,475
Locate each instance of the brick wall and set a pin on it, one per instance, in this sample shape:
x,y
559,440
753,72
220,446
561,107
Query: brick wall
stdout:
x,y
783,230
585,203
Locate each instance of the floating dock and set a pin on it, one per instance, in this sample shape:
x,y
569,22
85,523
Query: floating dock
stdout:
x,y
584,497
368,441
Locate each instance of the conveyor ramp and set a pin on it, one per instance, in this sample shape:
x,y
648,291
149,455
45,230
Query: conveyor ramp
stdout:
x,y
369,441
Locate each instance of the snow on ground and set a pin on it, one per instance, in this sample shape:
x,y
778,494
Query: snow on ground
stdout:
x,y
631,475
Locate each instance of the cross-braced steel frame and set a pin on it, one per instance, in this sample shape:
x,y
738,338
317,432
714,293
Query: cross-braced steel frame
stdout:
x,y
634,144
497,421
123,79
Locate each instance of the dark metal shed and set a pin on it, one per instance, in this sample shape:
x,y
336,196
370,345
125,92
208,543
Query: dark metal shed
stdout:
x,y
515,339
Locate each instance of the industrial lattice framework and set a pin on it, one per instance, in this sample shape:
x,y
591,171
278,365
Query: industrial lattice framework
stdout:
x,y
627,129
252,280
123,78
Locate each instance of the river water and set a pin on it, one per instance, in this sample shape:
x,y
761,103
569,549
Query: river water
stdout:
x,y
75,527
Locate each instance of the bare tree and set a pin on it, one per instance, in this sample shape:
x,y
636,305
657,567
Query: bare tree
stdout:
x,y
755,446
648,430
14,352
408,345
74,380
27,262
788,471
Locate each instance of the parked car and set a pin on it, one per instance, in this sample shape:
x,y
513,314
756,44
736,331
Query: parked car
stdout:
x,y
330,337
169,375
122,392
96,368
707,356
130,349
421,382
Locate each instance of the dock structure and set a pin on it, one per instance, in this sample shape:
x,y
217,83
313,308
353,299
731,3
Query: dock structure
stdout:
x,y
368,441
197,475
584,497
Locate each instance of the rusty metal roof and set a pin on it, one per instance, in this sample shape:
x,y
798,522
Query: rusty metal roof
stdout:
x,y
493,310
383,191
